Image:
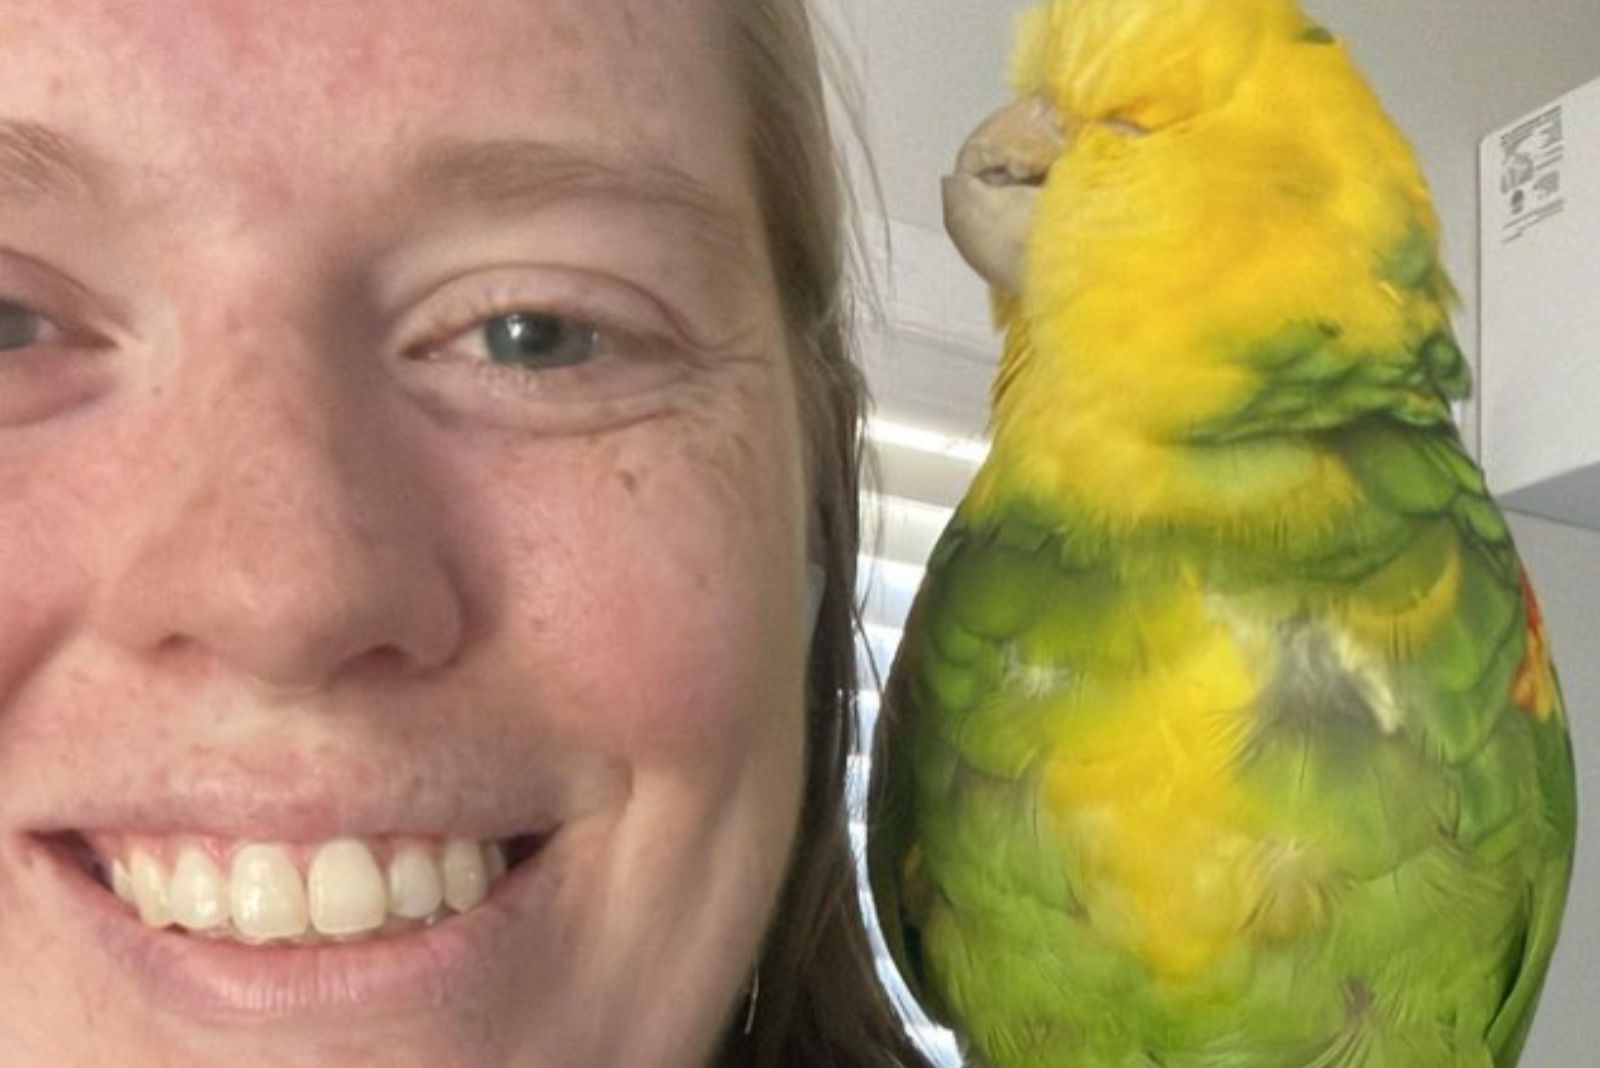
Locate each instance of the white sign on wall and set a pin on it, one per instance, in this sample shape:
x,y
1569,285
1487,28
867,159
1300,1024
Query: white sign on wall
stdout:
x,y
1540,372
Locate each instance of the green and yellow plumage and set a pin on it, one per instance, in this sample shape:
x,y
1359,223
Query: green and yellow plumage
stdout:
x,y
1224,732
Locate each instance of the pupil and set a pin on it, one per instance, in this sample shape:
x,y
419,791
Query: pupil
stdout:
x,y
537,340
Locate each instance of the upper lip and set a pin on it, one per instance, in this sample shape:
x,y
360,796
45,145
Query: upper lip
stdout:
x,y
310,780
242,809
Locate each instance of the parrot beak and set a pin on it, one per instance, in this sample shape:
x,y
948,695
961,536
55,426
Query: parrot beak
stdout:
x,y
989,201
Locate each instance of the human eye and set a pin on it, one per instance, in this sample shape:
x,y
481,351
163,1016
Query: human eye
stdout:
x,y
23,328
551,351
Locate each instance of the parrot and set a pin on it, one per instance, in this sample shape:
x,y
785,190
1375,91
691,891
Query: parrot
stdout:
x,y
1223,731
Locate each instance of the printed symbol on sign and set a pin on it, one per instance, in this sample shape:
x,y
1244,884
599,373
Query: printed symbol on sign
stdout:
x,y
1532,156
1519,172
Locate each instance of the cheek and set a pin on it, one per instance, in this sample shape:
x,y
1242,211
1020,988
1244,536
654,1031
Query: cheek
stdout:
x,y
48,529
656,593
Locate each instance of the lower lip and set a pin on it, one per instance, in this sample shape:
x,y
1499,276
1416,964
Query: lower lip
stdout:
x,y
462,960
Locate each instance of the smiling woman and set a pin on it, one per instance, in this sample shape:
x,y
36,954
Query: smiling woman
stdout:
x,y
418,420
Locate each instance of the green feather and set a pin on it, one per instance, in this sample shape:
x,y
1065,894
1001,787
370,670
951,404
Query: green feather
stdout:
x,y
1442,811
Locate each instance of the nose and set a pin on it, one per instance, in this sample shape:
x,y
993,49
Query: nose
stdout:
x,y
289,536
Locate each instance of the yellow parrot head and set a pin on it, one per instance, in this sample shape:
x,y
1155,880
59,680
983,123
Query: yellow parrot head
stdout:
x,y
1091,76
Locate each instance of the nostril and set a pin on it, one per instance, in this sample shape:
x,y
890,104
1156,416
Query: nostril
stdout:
x,y
1003,175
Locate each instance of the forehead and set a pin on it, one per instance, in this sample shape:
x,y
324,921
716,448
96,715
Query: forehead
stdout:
x,y
278,92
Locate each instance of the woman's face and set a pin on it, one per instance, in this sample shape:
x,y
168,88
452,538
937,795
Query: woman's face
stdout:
x,y
397,446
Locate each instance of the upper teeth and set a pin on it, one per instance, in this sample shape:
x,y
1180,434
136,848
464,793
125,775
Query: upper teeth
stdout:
x,y
343,892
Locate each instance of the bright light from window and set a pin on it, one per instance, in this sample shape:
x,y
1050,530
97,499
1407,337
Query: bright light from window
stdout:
x,y
967,450
896,583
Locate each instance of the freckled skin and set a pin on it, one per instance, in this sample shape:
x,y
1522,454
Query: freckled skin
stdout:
x,y
258,556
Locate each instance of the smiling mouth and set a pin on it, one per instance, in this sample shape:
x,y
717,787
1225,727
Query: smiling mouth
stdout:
x,y
348,889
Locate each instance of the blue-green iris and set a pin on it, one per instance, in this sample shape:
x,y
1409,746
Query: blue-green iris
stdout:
x,y
538,342
19,327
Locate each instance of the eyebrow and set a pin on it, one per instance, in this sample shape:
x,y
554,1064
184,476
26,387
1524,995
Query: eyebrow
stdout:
x,y
38,162
525,176
510,175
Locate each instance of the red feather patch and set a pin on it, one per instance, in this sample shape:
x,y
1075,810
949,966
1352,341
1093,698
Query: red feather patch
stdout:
x,y
1534,690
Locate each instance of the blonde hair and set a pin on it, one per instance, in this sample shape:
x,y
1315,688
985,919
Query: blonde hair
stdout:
x,y
820,1003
